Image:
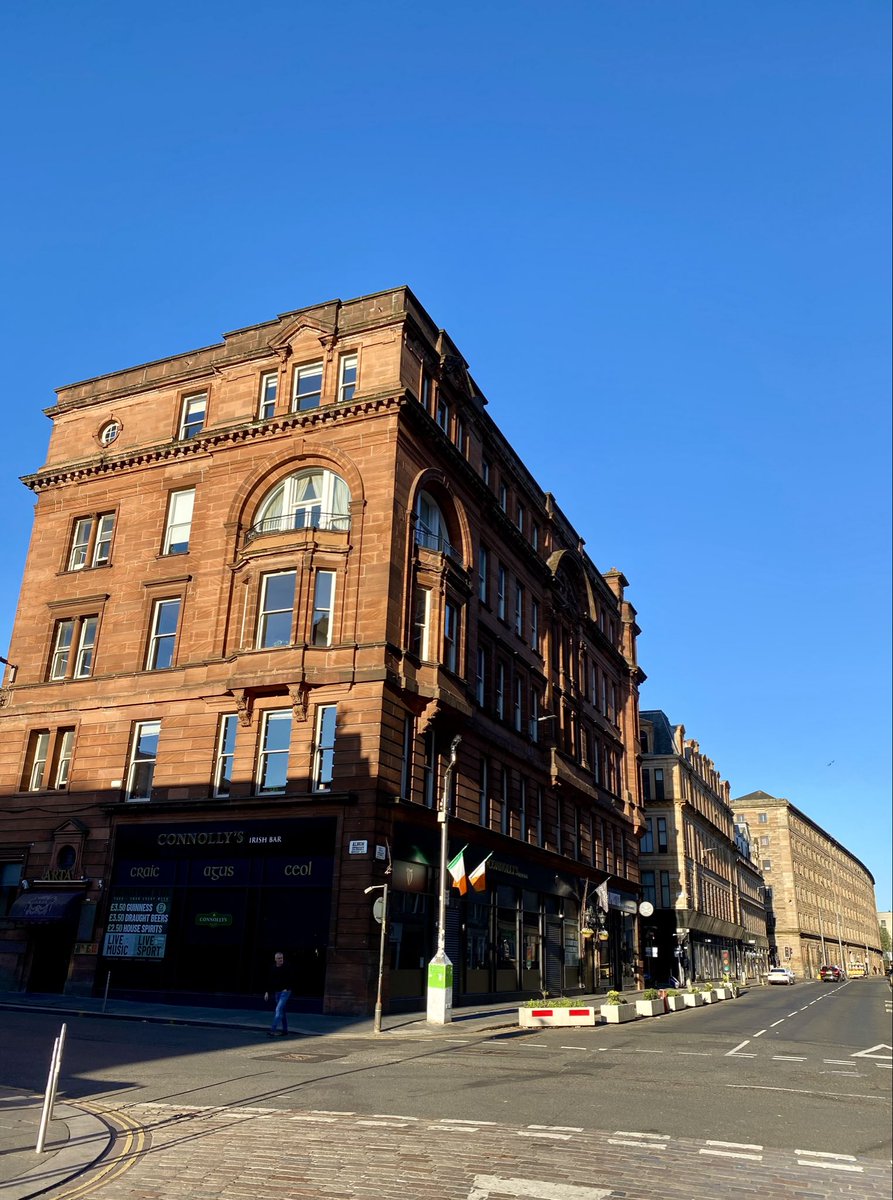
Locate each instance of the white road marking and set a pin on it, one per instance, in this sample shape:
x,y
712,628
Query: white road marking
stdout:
x,y
559,1128
734,1145
556,1137
828,1166
462,1121
394,1117
788,1058
852,1074
315,1120
459,1041
827,1154
760,1034
794,1013
884,1066
639,1145
836,1062
332,1112
690,1053
388,1124
485,1186
762,1087
774,1023
732,1154
637,1051
573,1048
634,1133
729,1053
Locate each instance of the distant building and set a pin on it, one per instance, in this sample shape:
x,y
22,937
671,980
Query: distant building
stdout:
x,y
821,898
270,581
885,924
696,865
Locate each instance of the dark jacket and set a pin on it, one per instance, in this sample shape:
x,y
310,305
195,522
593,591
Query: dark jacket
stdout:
x,y
280,979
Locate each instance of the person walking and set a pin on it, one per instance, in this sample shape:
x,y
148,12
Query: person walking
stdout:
x,y
280,988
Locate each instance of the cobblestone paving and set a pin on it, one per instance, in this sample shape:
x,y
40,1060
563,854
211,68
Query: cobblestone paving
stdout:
x,y
251,1153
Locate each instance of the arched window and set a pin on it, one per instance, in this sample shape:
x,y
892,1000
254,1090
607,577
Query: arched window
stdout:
x,y
431,527
312,499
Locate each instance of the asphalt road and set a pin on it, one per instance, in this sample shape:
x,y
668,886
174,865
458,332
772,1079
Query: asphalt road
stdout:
x,y
782,1076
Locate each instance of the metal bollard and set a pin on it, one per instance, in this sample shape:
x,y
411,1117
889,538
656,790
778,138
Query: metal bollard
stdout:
x,y
50,1096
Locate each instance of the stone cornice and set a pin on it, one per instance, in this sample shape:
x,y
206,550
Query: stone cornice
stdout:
x,y
211,439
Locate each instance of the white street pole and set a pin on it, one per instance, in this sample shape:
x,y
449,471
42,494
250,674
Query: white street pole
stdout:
x,y
440,969
49,1098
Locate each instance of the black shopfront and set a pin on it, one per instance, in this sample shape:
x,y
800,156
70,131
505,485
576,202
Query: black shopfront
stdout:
x,y
196,910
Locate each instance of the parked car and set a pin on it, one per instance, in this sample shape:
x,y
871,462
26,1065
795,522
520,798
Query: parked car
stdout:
x,y
780,975
831,974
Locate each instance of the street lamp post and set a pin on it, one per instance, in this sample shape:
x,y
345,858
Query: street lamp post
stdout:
x,y
383,888
440,969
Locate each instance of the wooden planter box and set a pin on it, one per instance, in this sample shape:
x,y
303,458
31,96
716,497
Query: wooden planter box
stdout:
x,y
650,1008
532,1018
616,1014
675,1003
692,999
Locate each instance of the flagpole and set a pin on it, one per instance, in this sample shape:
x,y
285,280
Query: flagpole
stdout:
x,y
440,969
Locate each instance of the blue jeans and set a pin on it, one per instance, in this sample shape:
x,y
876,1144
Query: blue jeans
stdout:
x,y
279,1016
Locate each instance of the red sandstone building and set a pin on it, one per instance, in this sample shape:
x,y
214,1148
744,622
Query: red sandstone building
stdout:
x,y
269,582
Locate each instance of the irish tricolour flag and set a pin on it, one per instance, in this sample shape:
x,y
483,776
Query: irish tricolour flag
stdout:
x,y
457,869
478,877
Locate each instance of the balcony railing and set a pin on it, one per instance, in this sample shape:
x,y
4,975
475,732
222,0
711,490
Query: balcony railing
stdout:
x,y
432,541
309,518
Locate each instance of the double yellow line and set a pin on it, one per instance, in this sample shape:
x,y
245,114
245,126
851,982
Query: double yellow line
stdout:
x,y
132,1145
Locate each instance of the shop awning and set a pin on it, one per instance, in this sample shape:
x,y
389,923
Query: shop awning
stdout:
x,y
45,907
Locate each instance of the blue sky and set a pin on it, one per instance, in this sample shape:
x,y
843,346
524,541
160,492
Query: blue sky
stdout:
x,y
659,233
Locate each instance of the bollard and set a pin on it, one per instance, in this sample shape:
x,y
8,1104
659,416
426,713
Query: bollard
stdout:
x,y
108,980
50,1096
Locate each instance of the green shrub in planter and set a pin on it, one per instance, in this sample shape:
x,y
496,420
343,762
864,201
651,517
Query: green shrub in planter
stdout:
x,y
672,991
615,998
557,1002
651,994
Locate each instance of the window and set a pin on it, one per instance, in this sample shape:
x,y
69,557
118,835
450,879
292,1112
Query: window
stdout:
x,y
347,378
500,591
36,762
767,864
192,415
480,682
431,527
503,496
519,610
10,879
646,844
165,616
665,889
272,762
277,602
646,784
534,722
421,607
662,835
518,705
323,606
648,889
535,536
522,809
539,815
313,499
324,756
143,753
307,387
763,818
484,794
443,415
520,517
426,391
91,542
500,690
505,780
451,636
484,575
79,632
226,747
485,471
559,822
63,756
179,521
535,625
406,758
109,433
460,436
269,389
429,771
659,784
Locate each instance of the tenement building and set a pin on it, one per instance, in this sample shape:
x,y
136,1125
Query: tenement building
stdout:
x,y
270,583
696,867
820,897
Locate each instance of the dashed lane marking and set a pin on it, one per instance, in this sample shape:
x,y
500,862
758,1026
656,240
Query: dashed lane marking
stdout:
x,y
735,1145
774,1023
655,1137
463,1121
732,1154
692,1053
788,1058
559,1128
542,1133
828,1166
638,1145
760,1034
828,1154
586,1048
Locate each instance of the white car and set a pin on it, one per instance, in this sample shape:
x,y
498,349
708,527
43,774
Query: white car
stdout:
x,y
780,975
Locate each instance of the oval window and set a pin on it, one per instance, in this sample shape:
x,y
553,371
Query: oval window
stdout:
x,y
109,432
